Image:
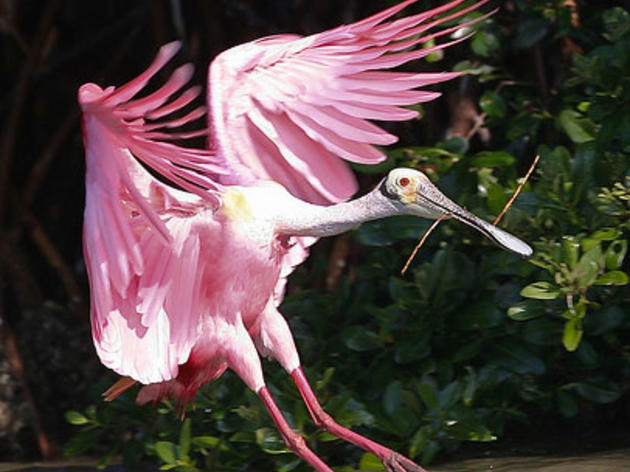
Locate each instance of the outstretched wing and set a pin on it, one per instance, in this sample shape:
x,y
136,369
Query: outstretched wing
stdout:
x,y
286,108
142,238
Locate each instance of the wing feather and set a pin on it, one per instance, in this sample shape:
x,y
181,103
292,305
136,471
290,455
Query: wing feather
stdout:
x,y
308,99
142,238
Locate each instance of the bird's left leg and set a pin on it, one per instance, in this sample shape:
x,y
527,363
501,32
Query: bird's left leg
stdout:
x,y
242,358
273,338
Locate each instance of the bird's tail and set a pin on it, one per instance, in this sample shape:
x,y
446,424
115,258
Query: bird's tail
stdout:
x,y
120,387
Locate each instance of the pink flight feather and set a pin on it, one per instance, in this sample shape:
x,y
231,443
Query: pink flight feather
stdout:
x,y
320,91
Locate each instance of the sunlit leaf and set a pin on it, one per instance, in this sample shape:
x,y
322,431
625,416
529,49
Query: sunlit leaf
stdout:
x,y
541,291
614,277
269,441
579,129
167,451
526,310
615,254
76,418
493,104
370,461
572,334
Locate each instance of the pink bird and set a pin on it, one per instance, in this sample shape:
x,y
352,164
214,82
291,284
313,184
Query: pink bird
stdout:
x,y
186,281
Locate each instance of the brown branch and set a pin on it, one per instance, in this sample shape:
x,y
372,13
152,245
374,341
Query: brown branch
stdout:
x,y
46,448
13,263
480,120
337,261
517,191
7,139
41,166
423,239
56,261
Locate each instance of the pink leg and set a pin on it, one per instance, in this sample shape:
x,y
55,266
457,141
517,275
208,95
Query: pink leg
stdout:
x,y
293,440
393,461
242,357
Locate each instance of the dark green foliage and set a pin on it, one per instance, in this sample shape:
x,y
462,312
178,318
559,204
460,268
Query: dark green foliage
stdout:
x,y
472,339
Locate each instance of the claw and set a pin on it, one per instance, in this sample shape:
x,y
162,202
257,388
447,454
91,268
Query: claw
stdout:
x,y
399,463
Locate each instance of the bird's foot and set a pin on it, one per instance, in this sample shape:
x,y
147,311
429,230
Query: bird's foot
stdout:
x,y
398,463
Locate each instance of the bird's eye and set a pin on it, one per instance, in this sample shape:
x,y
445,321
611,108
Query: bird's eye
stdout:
x,y
403,181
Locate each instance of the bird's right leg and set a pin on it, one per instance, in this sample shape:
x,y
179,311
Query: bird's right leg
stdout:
x,y
242,357
274,338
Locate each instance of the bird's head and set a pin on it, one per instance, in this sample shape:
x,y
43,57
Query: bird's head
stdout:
x,y
412,193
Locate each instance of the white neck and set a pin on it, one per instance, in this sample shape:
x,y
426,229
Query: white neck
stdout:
x,y
305,219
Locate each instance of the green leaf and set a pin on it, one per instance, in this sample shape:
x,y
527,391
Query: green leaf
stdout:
x,y
604,320
429,395
570,250
184,439
606,234
353,413
76,418
579,129
361,339
479,315
601,392
615,254
496,198
526,310
435,56
408,351
210,442
392,399
467,351
167,451
493,104
493,159
269,441
448,396
530,31
370,461
484,43
572,334
468,429
82,442
243,437
541,291
456,145
544,331
419,441
614,277
517,358
586,270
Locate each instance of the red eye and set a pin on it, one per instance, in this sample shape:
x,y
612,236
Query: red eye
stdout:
x,y
403,182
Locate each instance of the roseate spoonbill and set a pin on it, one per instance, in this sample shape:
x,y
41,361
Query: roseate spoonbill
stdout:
x,y
185,282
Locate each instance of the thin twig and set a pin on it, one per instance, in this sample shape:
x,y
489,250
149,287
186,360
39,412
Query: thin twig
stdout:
x,y
422,240
517,191
41,166
57,262
7,139
12,351
481,119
